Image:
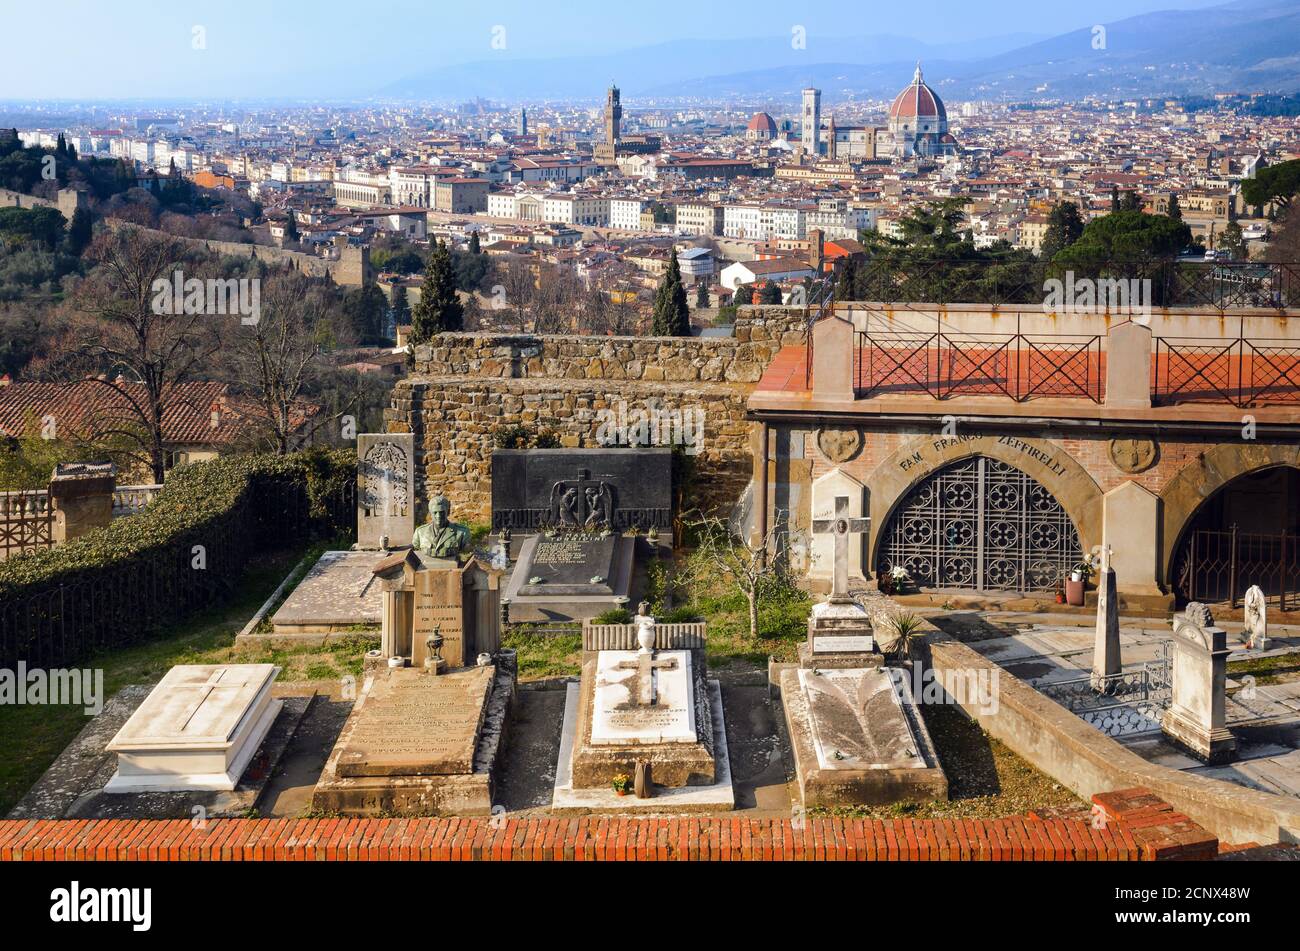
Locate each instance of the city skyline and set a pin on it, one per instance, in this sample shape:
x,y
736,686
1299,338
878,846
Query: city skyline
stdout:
x,y
242,50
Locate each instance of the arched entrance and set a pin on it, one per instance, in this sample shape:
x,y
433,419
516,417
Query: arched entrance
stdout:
x,y
984,524
1245,533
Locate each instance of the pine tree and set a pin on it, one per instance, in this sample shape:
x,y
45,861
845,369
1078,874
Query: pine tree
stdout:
x,y
771,293
1064,227
672,316
439,309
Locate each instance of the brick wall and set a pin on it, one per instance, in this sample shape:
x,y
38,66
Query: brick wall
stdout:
x,y
1132,826
467,386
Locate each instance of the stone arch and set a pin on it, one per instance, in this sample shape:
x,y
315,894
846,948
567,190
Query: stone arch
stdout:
x,y
1053,467
1197,482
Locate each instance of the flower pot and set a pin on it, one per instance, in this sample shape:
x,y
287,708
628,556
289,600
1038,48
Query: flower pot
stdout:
x,y
621,792
1074,592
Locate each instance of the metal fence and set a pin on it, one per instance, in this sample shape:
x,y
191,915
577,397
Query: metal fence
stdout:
x,y
1126,704
944,363
1221,285
1238,371
1219,565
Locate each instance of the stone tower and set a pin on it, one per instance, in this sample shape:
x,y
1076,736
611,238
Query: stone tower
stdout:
x,y
613,115
811,129
523,121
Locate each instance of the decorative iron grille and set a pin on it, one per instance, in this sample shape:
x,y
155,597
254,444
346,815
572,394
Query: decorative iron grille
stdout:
x,y
1127,704
982,524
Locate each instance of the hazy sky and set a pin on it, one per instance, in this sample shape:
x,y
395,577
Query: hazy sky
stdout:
x,y
99,49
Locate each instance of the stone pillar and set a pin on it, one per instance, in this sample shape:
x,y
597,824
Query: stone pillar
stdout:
x,y
1131,529
1197,716
833,348
1128,366
81,495
1106,660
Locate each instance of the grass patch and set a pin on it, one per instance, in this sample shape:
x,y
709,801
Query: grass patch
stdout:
x,y
986,780
542,655
1280,668
710,595
32,737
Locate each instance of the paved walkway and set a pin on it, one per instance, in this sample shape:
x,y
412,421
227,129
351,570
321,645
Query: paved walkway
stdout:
x,y
1044,649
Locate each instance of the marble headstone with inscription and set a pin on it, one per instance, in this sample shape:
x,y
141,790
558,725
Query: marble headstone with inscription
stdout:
x,y
570,576
385,490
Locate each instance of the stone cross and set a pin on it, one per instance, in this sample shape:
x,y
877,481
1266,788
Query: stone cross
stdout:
x,y
841,526
204,691
645,665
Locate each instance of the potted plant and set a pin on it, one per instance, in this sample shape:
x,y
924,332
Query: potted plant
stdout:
x,y
894,581
1077,582
621,783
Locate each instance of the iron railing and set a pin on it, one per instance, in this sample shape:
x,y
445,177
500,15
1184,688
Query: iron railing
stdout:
x,y
1219,565
943,363
1161,281
1242,372
1125,704
820,302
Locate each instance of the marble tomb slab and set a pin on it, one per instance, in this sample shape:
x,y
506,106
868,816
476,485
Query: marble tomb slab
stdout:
x,y
858,721
338,593
417,724
622,716
197,729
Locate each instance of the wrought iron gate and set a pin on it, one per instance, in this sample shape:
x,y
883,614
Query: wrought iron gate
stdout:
x,y
1219,565
982,524
1127,704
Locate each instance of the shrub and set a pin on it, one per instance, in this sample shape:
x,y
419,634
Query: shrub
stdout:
x,y
121,584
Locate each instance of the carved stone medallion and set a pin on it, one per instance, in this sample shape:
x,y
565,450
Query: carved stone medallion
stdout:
x,y
1133,455
839,443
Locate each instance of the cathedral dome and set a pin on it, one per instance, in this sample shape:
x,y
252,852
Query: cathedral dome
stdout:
x,y
763,125
917,103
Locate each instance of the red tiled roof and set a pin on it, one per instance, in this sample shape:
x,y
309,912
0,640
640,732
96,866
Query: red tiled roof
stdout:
x,y
86,406
917,100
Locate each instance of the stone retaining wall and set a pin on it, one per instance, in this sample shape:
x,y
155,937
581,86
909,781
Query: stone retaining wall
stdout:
x,y
468,386
1065,747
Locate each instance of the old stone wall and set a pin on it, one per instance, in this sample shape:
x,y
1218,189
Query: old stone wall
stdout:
x,y
589,392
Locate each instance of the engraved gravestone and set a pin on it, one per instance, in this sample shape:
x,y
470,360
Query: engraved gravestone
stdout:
x,y
385,489
586,489
414,724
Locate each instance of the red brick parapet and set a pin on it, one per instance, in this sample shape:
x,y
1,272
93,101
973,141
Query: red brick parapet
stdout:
x,y
1133,830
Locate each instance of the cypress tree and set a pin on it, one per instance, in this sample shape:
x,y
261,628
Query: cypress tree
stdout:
x,y
1175,210
439,309
701,295
671,312
474,247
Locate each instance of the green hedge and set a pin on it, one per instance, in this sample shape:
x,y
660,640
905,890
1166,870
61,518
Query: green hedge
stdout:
x,y
123,583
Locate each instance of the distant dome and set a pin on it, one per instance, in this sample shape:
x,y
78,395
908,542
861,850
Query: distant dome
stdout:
x,y
918,102
762,124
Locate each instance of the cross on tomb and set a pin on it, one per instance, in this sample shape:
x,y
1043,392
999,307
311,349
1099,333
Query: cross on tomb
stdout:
x,y
645,665
841,527
214,682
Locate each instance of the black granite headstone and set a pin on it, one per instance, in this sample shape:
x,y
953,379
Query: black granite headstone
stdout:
x,y
585,489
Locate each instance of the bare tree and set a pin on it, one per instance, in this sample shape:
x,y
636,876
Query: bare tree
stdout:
x,y
518,286
742,560
140,352
277,358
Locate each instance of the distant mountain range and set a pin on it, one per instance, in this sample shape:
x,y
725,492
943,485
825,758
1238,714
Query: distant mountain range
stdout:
x,y
1246,45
